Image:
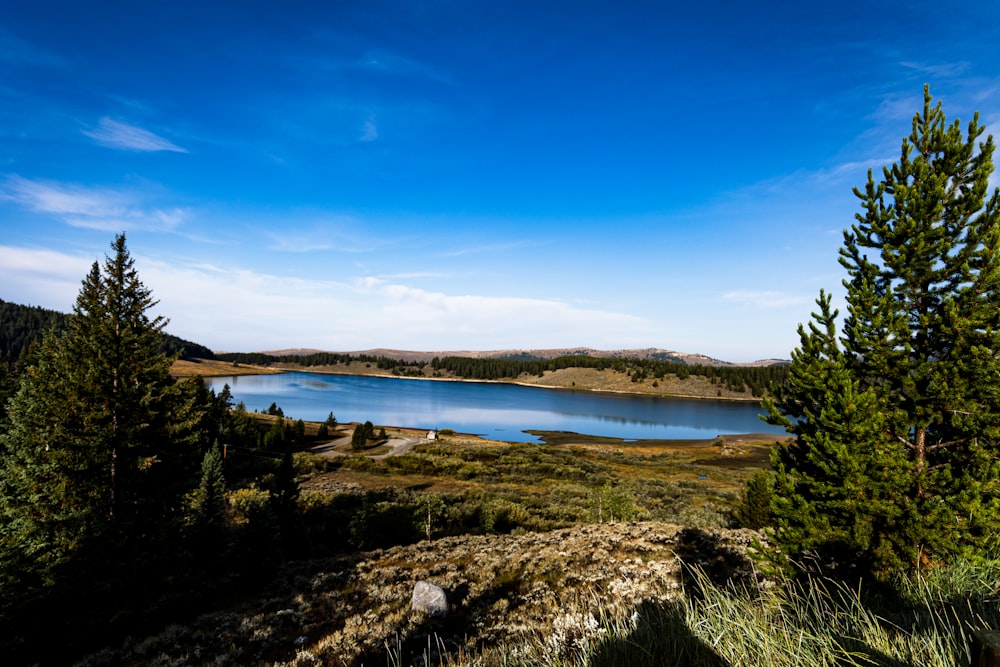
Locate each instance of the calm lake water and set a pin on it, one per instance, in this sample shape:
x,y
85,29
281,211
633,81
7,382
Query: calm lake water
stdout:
x,y
494,410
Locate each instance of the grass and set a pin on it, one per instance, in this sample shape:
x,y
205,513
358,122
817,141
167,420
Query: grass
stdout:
x,y
812,622
529,543
561,482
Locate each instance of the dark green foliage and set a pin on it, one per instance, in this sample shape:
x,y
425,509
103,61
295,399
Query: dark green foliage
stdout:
x,y
9,375
897,423
89,433
20,326
754,510
173,346
362,434
209,511
277,436
381,523
242,427
100,449
209,500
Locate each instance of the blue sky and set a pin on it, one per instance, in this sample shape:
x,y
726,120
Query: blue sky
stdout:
x,y
466,175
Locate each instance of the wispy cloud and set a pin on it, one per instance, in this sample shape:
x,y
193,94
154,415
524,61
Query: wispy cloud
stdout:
x,y
391,63
492,248
318,231
938,69
15,50
764,299
370,131
102,209
116,134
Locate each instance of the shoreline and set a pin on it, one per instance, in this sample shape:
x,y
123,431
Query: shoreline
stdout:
x,y
274,370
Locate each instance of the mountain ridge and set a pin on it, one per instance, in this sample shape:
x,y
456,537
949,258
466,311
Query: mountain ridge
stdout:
x,y
660,354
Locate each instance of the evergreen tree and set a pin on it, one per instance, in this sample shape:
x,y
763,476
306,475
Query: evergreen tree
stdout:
x,y
209,501
897,423
362,434
754,510
208,506
88,463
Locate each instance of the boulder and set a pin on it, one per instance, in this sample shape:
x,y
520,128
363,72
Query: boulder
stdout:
x,y
429,599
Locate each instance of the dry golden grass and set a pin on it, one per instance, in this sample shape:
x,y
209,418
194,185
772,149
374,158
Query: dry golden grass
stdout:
x,y
184,368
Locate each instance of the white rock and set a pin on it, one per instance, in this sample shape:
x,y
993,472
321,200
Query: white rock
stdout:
x,y
429,599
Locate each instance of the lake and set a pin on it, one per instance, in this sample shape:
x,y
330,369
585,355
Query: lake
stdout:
x,y
493,410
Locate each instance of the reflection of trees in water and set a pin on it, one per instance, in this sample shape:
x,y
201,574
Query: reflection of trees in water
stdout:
x,y
490,408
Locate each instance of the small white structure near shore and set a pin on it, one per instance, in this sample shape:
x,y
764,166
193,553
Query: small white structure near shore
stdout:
x,y
432,435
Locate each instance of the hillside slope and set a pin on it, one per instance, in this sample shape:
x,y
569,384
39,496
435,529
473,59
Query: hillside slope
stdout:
x,y
503,590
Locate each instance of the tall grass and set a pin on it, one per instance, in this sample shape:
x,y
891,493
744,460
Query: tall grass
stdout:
x,y
927,622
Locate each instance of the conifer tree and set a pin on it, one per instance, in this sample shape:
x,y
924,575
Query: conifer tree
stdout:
x,y
897,422
208,505
209,502
88,461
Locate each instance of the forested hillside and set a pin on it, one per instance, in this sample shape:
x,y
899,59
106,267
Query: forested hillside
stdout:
x,y
21,325
755,379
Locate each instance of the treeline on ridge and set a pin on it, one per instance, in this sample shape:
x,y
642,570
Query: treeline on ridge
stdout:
x,y
21,325
755,379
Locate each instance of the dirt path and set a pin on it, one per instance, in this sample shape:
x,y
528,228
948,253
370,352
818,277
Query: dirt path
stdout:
x,y
397,446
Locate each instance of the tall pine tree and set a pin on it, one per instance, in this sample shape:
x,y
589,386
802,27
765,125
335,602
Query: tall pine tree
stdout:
x,y
897,421
90,462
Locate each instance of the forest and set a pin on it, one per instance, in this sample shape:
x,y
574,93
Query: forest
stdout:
x,y
756,379
22,325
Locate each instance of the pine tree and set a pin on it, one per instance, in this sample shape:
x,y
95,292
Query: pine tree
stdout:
x,y
359,438
897,422
208,513
754,510
89,462
209,502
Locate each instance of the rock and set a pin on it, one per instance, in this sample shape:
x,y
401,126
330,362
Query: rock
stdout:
x,y
429,599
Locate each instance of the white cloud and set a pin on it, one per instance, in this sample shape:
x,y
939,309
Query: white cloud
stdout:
x,y
40,277
244,310
116,134
764,299
236,309
103,209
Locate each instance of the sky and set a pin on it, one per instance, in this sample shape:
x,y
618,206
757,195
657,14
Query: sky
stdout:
x,y
464,175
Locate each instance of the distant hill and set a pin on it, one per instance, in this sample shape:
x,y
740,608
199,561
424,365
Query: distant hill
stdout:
x,y
21,325
656,354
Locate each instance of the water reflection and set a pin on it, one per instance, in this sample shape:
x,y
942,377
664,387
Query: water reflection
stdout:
x,y
497,410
